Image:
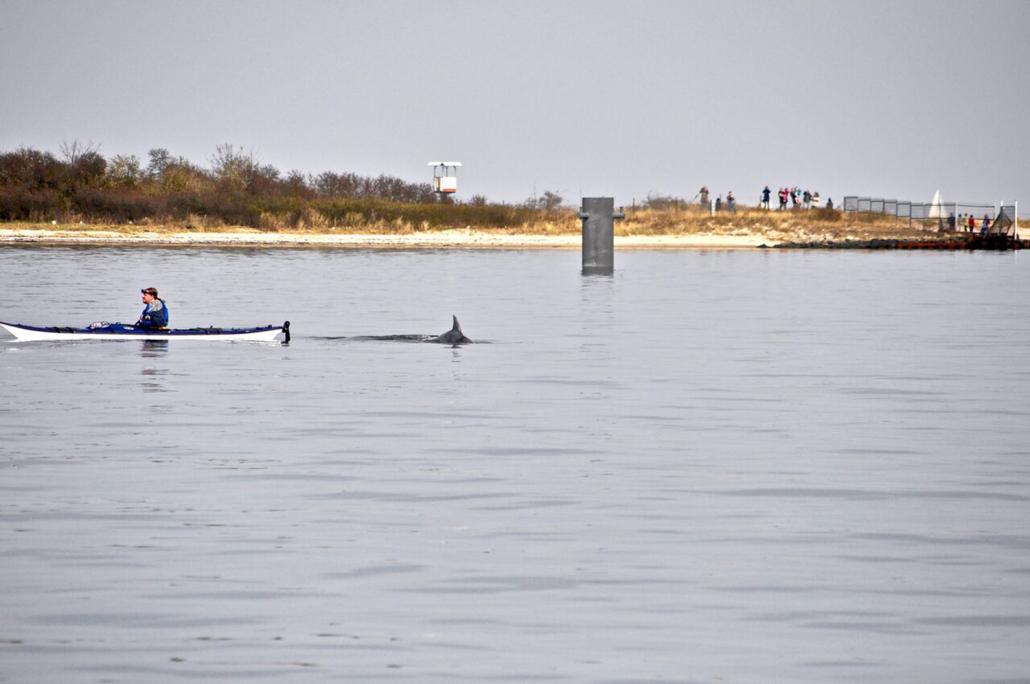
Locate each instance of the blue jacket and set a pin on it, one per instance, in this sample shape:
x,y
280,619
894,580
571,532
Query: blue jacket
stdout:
x,y
155,315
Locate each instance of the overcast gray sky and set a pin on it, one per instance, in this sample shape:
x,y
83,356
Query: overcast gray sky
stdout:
x,y
584,98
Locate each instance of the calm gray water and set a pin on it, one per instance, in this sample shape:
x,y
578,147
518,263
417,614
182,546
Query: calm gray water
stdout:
x,y
713,466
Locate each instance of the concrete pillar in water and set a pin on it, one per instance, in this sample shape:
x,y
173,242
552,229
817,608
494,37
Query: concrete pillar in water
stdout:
x,y
598,215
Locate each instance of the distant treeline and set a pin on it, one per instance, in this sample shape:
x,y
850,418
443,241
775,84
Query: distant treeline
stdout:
x,y
83,185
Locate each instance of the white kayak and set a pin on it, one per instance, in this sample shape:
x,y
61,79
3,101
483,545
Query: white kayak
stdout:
x,y
118,331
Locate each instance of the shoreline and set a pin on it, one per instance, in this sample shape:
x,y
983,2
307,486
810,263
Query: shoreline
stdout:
x,y
441,239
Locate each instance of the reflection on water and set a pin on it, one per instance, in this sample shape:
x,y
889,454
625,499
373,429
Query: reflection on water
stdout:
x,y
153,348
746,466
154,352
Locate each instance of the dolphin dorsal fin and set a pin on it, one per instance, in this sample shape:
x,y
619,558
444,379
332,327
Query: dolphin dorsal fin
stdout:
x,y
457,326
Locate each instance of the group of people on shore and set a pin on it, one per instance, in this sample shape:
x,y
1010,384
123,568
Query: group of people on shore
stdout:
x,y
799,199
730,204
967,223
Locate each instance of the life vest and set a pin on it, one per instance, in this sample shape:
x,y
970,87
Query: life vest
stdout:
x,y
155,315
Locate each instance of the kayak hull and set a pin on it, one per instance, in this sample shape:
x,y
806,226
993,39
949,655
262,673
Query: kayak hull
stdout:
x,y
32,333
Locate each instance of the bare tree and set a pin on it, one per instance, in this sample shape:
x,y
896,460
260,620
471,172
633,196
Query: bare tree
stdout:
x,y
159,161
235,167
124,170
75,150
550,200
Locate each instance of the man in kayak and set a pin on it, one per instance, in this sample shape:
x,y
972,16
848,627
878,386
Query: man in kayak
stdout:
x,y
155,313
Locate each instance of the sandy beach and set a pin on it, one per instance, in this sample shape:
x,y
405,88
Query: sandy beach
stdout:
x,y
443,239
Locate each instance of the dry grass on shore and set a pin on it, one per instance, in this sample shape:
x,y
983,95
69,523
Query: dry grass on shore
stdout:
x,y
776,226
779,226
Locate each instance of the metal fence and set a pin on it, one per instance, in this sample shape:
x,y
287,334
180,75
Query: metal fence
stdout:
x,y
943,216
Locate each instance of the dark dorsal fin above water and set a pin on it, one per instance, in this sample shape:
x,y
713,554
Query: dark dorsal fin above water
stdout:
x,y
454,335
